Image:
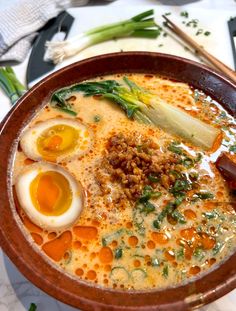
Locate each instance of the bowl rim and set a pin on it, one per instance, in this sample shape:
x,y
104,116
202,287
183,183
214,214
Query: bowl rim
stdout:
x,y
101,298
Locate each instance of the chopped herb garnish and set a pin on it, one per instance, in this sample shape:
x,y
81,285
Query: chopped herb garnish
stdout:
x,y
180,254
184,14
207,33
32,307
175,148
165,271
200,31
97,118
178,216
188,162
199,253
180,185
198,157
155,262
118,253
106,240
193,23
232,148
210,215
168,13
160,45
148,208
153,178
168,209
217,248
204,195
148,193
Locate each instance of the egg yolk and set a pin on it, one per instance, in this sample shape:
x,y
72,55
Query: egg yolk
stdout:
x,y
51,193
58,140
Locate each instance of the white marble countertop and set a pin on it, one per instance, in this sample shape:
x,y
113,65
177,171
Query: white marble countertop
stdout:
x,y
17,293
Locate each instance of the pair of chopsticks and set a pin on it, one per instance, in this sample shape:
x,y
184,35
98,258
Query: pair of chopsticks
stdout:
x,y
200,50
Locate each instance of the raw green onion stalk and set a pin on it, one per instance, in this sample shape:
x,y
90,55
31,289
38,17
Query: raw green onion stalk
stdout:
x,y
142,25
147,108
10,84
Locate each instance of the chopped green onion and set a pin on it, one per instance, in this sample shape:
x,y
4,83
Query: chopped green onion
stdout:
x,y
217,248
204,195
232,148
184,14
153,178
97,118
118,253
165,271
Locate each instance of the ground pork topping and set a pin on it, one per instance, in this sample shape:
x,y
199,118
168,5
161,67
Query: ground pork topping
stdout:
x,y
135,161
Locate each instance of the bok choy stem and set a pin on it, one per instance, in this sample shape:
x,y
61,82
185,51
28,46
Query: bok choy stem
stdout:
x,y
148,108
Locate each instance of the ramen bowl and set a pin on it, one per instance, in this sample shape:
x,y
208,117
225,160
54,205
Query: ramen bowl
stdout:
x,y
40,271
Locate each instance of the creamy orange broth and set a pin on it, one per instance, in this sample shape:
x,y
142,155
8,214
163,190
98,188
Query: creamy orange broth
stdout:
x,y
105,245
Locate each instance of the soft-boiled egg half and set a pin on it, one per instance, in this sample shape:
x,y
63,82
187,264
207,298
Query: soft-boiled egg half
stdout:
x,y
56,140
49,195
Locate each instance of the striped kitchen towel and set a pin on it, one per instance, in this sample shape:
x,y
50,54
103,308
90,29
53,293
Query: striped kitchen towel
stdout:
x,y
20,21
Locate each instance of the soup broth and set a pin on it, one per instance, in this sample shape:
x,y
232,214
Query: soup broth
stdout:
x,y
156,211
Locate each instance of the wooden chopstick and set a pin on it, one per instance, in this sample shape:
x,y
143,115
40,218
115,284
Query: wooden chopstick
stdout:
x,y
200,50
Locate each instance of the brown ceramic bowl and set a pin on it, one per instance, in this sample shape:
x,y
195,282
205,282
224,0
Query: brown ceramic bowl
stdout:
x,y
34,266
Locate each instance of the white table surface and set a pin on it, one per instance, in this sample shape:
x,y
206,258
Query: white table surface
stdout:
x,y
16,293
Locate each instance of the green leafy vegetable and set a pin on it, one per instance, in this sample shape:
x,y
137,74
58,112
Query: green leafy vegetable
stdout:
x,y
147,108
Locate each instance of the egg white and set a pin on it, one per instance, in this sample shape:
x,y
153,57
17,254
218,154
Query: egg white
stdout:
x,y
29,138
62,221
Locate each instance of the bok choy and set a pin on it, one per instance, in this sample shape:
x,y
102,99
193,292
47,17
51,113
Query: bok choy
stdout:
x,y
142,25
147,108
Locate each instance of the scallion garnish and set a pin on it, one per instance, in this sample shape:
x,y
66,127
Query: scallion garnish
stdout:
x,y
10,84
141,25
